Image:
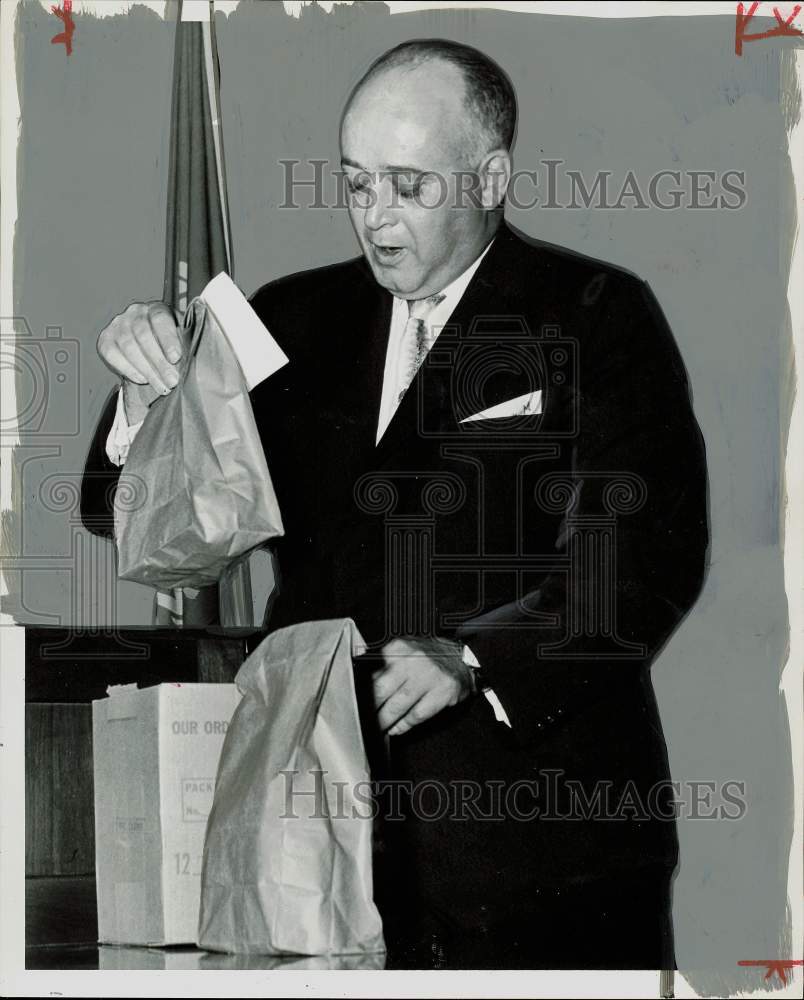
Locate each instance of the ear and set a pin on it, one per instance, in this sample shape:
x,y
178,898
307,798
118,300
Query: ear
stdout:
x,y
495,175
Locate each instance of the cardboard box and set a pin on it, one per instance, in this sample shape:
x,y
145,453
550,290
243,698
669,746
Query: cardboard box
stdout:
x,y
127,958
156,756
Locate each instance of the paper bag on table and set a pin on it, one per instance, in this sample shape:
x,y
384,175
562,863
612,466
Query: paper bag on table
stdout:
x,y
195,492
287,853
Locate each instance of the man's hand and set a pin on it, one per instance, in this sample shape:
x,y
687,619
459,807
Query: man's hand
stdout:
x,y
419,678
143,345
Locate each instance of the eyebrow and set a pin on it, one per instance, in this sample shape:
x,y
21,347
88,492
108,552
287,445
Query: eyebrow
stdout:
x,y
391,168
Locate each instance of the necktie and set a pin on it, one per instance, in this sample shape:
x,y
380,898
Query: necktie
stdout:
x,y
414,340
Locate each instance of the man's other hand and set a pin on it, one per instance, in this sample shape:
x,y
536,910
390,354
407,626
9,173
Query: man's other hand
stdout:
x,y
419,678
143,345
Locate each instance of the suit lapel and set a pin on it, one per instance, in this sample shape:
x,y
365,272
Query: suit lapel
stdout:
x,y
368,328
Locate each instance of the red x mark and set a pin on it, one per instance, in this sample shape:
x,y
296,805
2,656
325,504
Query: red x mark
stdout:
x,y
784,28
65,38
777,965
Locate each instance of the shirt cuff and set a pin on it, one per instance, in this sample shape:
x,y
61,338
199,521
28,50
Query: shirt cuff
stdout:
x,y
500,714
121,434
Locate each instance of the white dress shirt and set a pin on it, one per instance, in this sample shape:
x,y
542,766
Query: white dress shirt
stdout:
x,y
437,319
121,434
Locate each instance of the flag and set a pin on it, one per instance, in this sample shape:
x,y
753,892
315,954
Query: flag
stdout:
x,y
198,242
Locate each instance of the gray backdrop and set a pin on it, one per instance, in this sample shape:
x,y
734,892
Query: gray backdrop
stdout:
x,y
641,95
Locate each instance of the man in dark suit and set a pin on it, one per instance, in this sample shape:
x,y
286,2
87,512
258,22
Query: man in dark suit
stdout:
x,y
485,453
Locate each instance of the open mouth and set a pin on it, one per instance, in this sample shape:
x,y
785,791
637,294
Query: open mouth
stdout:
x,y
387,255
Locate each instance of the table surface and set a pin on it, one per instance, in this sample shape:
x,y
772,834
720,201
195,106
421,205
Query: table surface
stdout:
x,y
118,957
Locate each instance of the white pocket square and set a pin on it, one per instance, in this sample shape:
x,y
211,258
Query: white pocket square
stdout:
x,y
519,406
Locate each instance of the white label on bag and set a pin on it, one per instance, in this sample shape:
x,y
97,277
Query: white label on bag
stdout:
x,y
256,350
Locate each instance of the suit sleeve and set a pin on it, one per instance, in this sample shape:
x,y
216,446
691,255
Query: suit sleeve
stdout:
x,y
99,481
601,615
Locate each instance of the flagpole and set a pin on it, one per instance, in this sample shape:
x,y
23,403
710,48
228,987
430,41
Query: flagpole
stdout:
x,y
213,87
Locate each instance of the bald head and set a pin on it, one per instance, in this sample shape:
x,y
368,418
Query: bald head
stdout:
x,y
482,111
412,116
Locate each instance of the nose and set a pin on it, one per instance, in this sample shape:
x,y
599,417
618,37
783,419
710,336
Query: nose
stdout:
x,y
380,211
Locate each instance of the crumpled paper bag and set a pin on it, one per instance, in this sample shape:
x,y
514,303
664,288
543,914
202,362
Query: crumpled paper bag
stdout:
x,y
286,871
195,492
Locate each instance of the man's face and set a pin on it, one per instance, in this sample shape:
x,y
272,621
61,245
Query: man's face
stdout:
x,y
404,142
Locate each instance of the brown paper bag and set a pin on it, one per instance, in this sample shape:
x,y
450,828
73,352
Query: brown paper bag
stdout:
x,y
287,854
195,492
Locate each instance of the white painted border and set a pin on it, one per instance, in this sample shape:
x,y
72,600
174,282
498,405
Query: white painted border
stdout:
x,y
12,639
16,981
792,680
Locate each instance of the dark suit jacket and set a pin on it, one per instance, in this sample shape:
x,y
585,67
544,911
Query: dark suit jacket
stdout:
x,y
563,547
